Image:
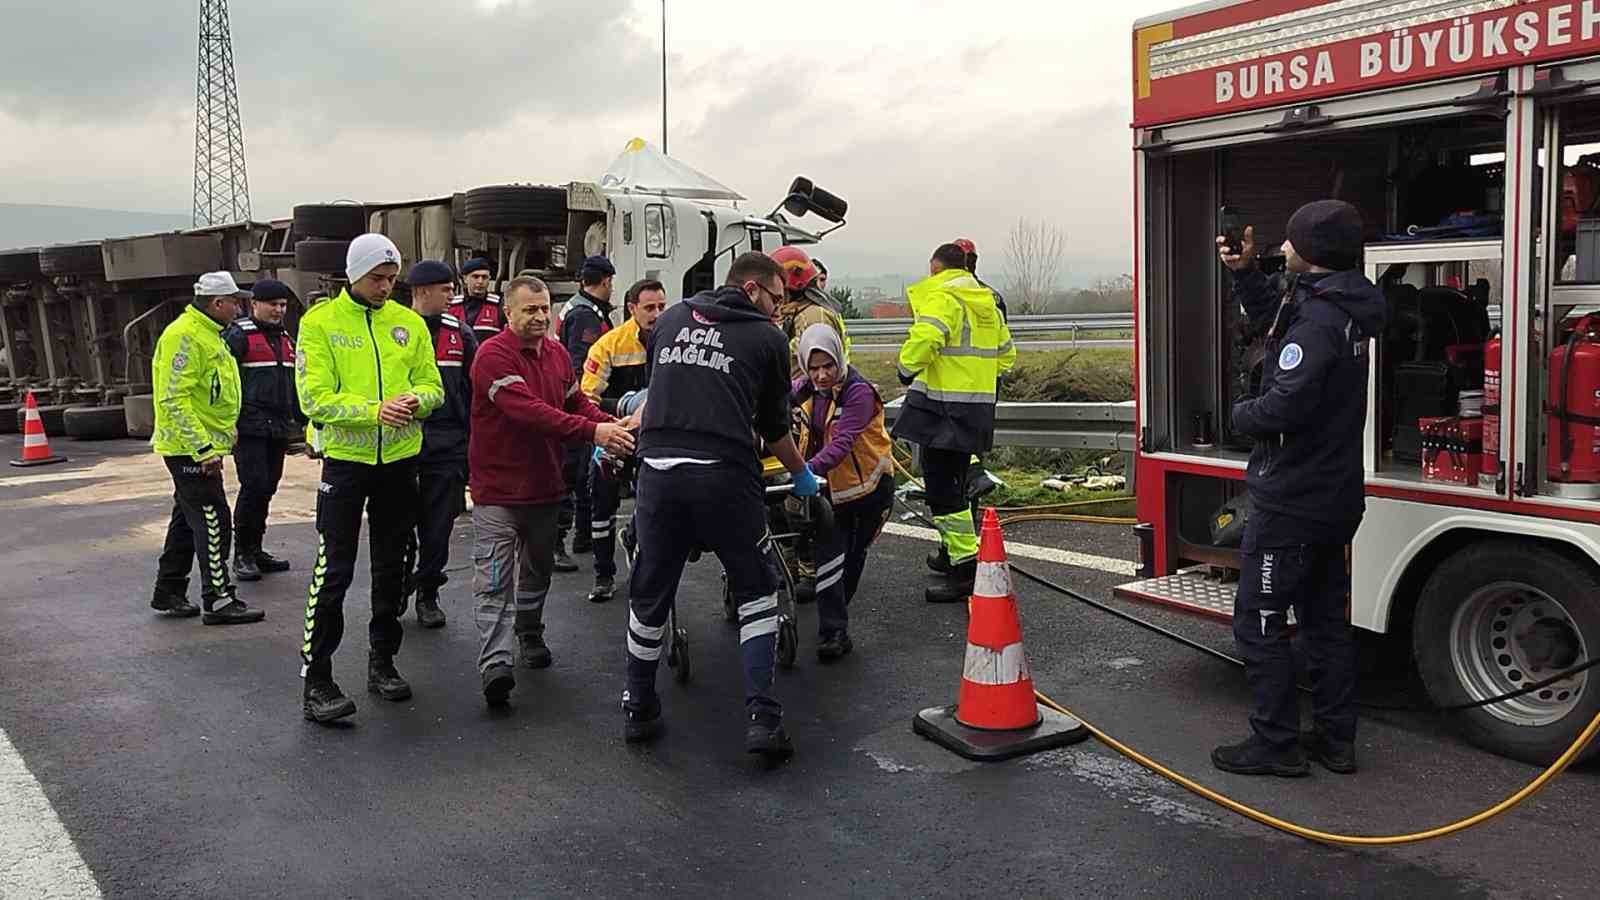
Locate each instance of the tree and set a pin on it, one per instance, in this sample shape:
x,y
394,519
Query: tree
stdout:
x,y
845,299
1033,261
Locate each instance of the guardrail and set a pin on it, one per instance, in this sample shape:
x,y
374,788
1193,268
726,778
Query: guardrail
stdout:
x,y
1058,426
1072,322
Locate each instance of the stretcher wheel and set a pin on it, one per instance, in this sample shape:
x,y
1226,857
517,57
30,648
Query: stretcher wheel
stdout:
x,y
788,642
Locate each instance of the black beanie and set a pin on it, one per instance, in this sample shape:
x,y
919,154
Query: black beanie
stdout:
x,y
1327,233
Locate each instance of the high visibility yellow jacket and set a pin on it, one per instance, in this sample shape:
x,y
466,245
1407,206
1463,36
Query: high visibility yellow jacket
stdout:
x,y
951,362
349,360
196,389
615,366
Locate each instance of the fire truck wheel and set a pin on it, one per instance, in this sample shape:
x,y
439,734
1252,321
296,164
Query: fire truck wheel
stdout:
x,y
330,221
72,259
1498,616
517,207
96,423
322,257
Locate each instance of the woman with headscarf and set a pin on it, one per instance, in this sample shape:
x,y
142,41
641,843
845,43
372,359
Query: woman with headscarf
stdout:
x,y
844,441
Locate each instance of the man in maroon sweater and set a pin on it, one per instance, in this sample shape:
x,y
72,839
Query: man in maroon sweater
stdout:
x,y
526,406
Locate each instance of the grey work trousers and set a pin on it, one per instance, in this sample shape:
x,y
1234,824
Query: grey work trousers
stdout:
x,y
513,554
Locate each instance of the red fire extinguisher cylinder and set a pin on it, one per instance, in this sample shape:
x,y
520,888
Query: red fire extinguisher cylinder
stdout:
x,y
1574,404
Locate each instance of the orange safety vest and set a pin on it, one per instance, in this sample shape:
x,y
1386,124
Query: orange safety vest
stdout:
x,y
870,456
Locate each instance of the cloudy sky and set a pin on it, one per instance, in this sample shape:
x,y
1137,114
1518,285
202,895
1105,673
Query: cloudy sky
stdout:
x,y
933,118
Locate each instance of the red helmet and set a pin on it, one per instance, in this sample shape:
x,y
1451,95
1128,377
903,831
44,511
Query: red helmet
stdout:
x,y
967,247
798,269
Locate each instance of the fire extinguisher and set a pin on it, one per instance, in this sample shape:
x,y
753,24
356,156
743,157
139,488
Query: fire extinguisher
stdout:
x,y
1490,469
1574,438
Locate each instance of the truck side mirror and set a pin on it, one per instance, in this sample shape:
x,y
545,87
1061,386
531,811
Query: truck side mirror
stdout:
x,y
805,196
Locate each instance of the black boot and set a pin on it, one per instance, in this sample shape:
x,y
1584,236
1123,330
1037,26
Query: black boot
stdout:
x,y
173,605
582,542
1335,756
268,563
955,587
535,655
605,587
384,680
497,684
641,721
939,561
245,566
564,562
429,615
231,611
1255,756
835,646
324,702
765,735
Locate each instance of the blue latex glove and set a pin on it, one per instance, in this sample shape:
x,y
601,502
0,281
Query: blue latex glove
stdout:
x,y
805,484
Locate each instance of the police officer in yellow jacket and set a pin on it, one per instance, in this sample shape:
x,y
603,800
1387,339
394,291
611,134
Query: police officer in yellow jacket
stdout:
x,y
951,362
366,375
197,410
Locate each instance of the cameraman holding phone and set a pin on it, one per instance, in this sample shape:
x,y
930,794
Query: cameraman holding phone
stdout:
x,y
1306,482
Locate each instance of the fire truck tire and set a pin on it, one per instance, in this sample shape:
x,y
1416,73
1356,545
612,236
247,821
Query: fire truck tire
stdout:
x,y
49,416
72,259
322,257
517,207
10,421
140,411
96,423
19,265
1502,614
330,221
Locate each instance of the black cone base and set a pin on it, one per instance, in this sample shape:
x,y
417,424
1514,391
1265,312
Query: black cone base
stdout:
x,y
938,724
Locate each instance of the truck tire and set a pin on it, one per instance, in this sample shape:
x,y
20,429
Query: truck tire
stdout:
x,y
49,416
330,221
1501,614
72,259
96,423
19,265
140,412
10,419
517,207
322,257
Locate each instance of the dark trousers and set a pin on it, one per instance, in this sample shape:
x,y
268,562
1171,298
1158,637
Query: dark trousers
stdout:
x,y
575,503
199,509
718,508
944,478
259,461
841,555
605,496
388,495
439,484
1315,581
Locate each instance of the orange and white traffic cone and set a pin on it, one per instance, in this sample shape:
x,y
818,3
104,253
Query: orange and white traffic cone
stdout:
x,y
996,715
35,446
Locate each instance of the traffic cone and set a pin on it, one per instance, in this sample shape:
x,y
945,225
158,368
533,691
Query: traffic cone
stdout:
x,y
35,446
995,716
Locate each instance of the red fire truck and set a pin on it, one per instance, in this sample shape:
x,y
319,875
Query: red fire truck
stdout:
x,y
1468,134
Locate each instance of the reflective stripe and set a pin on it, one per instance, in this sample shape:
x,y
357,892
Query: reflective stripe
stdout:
x,y
640,651
936,323
757,629
994,580
573,389
758,606
868,485
648,632
921,387
905,372
502,382
971,352
1007,347
830,565
985,666
828,581
260,365
449,362
627,359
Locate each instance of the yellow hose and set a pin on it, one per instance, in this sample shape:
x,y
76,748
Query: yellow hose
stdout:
x,y
1311,834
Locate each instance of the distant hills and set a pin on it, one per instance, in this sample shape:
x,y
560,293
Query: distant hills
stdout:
x,y
29,225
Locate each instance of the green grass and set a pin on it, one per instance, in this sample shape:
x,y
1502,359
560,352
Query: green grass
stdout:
x,y
1097,375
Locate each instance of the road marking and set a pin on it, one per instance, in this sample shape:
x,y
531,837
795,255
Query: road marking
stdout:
x,y
53,477
1030,551
37,856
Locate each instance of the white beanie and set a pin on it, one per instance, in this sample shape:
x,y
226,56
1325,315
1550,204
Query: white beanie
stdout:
x,y
368,252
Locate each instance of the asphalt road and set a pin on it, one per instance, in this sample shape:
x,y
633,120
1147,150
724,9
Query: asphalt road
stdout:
x,y
177,761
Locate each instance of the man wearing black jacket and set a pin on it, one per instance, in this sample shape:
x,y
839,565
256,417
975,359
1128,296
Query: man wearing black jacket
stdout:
x,y
719,378
442,466
269,420
1306,481
584,319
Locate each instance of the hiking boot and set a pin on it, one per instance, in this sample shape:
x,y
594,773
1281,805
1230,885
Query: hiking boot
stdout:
x,y
534,653
641,721
1335,756
1257,757
429,615
384,679
605,587
497,684
245,568
582,543
564,562
939,561
954,587
834,646
268,563
173,606
324,703
765,735
805,591
233,612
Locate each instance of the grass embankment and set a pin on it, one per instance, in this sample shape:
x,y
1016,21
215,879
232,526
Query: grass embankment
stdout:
x,y
1064,376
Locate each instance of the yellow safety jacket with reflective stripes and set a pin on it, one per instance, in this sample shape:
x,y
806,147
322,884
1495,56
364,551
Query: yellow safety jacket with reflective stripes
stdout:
x,y
615,366
352,357
196,383
951,363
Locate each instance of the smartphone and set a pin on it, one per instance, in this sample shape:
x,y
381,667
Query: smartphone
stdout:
x,y
1230,224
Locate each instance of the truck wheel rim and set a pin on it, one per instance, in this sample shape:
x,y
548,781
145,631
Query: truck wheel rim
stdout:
x,y
1509,635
